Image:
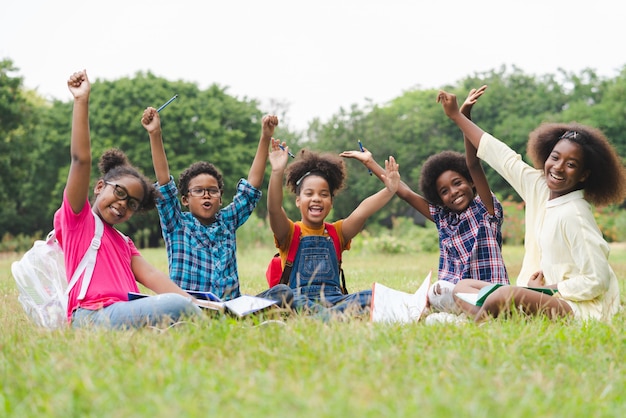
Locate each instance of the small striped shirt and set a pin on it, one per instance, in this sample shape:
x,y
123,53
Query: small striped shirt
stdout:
x,y
470,243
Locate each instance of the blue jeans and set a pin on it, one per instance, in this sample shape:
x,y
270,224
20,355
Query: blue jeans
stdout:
x,y
315,276
281,293
164,309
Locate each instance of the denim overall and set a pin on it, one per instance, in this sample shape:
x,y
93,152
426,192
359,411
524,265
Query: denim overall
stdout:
x,y
315,275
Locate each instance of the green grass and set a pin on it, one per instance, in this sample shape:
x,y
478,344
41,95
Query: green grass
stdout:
x,y
221,367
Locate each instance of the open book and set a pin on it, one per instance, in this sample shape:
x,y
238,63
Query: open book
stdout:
x,y
239,307
390,305
479,298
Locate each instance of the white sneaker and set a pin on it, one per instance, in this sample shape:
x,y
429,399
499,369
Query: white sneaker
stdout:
x,y
445,318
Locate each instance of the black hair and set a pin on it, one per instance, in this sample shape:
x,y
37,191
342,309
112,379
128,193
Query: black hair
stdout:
x,y
606,182
195,169
114,165
331,167
436,165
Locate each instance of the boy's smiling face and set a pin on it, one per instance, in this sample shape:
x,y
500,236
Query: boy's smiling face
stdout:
x,y
455,191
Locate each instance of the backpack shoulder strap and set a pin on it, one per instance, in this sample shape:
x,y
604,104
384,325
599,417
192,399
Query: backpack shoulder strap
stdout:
x,y
291,255
88,261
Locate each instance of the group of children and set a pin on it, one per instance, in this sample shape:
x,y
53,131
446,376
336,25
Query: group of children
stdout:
x,y
575,167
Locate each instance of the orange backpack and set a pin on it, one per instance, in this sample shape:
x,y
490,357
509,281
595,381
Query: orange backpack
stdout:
x,y
275,274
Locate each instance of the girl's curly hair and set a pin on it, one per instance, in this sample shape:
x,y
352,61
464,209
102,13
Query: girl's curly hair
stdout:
x,y
436,165
329,166
195,169
606,182
114,165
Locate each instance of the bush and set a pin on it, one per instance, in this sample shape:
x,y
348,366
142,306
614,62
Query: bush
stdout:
x,y
612,223
20,243
404,237
513,226
256,232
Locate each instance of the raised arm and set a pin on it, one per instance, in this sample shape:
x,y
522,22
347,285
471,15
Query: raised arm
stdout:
x,y
152,122
404,191
77,188
473,162
257,169
354,223
279,222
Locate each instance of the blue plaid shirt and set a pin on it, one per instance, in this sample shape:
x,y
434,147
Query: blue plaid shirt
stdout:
x,y
470,243
204,257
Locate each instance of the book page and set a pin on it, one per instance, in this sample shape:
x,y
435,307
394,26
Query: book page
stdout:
x,y
390,305
245,304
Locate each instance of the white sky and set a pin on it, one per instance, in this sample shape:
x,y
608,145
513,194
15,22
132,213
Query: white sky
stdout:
x,y
314,55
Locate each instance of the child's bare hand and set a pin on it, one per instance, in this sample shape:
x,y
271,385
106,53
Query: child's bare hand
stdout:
x,y
278,157
269,122
364,156
472,98
391,178
448,100
536,280
151,120
79,85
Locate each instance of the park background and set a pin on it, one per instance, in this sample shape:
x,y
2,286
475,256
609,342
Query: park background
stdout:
x,y
335,71
211,124
517,367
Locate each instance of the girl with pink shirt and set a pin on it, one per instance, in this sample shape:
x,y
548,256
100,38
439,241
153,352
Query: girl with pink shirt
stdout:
x,y
119,193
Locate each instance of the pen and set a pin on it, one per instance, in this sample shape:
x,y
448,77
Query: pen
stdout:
x,y
168,102
289,152
362,150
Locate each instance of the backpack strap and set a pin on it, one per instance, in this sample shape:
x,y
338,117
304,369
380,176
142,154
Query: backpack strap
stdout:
x,y
88,261
291,255
330,228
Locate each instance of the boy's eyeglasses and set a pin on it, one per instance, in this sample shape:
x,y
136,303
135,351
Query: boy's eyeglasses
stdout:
x,y
121,194
199,192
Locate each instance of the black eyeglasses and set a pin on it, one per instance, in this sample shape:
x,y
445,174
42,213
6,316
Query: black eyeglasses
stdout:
x,y
121,193
199,192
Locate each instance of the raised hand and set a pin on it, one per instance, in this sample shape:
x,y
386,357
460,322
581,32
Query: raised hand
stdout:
x,y
278,156
151,120
471,99
79,85
448,100
391,178
269,123
364,156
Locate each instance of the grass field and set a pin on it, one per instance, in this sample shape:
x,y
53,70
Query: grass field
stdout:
x,y
221,367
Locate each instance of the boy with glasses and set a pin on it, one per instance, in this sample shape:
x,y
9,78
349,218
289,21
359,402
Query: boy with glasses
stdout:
x,y
201,242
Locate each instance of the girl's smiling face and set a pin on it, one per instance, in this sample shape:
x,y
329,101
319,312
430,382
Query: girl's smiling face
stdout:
x,y
565,168
315,200
111,208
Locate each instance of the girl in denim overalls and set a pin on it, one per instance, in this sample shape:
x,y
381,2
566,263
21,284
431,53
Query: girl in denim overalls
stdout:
x,y
315,179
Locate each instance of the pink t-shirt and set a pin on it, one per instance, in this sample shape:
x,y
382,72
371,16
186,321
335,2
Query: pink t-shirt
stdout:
x,y
112,277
